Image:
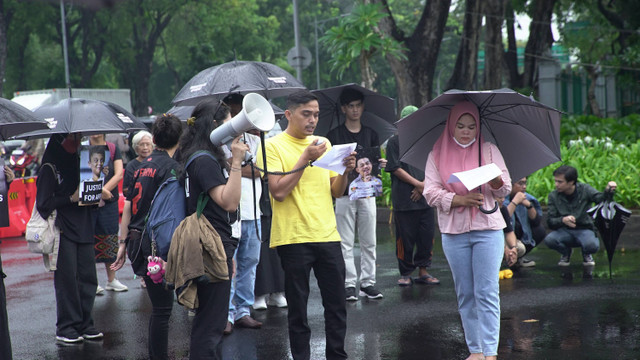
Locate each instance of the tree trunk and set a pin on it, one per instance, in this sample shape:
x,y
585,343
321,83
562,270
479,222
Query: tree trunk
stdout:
x,y
414,76
592,72
366,72
540,40
511,56
464,74
493,60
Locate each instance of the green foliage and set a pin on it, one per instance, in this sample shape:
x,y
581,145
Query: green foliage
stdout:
x,y
357,36
623,130
598,161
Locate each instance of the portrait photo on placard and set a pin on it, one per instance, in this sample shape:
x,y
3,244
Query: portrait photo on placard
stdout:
x,y
94,165
366,182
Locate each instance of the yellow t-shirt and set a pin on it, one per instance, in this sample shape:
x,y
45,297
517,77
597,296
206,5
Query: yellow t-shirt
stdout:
x,y
306,214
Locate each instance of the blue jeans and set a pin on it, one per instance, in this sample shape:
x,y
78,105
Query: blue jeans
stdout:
x,y
247,257
474,259
563,239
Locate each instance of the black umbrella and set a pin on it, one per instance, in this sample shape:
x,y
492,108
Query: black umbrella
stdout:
x,y
379,111
85,116
183,112
242,77
610,219
526,132
16,119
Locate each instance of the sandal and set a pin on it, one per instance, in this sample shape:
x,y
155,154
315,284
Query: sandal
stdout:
x,y
427,279
405,281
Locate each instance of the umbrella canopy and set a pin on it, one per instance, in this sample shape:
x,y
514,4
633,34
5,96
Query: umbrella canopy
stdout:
x,y
379,111
84,116
610,219
183,112
526,132
242,77
16,119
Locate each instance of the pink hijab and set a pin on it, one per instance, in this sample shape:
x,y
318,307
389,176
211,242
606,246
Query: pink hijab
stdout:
x,y
451,157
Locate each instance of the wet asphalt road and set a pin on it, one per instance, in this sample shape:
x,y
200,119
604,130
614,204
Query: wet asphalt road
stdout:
x,y
546,314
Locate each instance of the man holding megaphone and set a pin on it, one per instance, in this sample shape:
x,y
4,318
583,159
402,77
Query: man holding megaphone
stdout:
x,y
303,229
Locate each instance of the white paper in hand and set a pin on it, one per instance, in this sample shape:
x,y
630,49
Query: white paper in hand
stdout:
x,y
333,159
471,179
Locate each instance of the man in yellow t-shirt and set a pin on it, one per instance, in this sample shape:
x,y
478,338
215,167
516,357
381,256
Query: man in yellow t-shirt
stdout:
x,y
303,228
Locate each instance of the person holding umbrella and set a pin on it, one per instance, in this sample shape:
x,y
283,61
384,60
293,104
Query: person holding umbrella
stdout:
x,y
568,218
472,240
75,279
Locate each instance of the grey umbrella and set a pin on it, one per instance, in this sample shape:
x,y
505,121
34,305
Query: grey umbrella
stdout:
x,y
242,77
84,116
526,132
379,111
16,119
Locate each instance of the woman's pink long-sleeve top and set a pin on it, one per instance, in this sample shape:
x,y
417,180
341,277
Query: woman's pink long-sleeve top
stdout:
x,y
452,221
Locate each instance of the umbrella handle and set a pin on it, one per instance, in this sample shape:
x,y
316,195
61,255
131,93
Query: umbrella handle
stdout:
x,y
495,208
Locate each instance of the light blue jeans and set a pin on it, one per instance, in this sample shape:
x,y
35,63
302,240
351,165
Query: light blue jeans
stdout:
x,y
247,257
474,259
563,239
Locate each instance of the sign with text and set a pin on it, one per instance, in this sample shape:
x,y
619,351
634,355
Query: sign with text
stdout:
x,y
94,165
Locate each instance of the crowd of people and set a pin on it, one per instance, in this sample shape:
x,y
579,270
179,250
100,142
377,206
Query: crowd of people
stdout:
x,y
269,259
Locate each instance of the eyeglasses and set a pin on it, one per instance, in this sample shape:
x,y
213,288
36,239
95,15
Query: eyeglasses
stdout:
x,y
521,183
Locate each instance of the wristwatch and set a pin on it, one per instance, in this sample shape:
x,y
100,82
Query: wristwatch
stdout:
x,y
529,207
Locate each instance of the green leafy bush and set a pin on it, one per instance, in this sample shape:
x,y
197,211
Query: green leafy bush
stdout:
x,y
598,161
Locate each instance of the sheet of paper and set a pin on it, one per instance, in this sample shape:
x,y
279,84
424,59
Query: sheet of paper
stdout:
x,y
333,159
471,179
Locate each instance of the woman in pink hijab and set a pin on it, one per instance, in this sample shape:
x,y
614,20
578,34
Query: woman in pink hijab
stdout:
x,y
472,240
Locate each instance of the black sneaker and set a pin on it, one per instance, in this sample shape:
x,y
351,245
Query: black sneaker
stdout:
x,y
92,334
587,260
69,340
351,294
370,292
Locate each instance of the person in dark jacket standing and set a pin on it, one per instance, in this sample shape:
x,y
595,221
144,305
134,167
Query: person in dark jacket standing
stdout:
x,y
567,215
75,277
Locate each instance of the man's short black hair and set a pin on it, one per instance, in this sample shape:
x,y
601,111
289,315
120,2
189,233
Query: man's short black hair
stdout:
x,y
350,94
570,173
235,98
166,131
299,98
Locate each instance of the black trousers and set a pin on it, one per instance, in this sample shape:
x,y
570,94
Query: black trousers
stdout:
x,y
211,316
328,267
161,306
5,340
414,228
75,282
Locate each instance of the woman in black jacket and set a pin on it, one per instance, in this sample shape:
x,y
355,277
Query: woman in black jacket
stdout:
x,y
75,277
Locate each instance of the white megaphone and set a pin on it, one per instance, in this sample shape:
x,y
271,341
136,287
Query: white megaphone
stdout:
x,y
256,113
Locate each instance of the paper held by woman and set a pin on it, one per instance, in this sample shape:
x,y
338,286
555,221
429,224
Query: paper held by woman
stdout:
x,y
471,179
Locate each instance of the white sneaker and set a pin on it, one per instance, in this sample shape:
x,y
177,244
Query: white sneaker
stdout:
x,y
260,302
99,290
277,299
116,285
